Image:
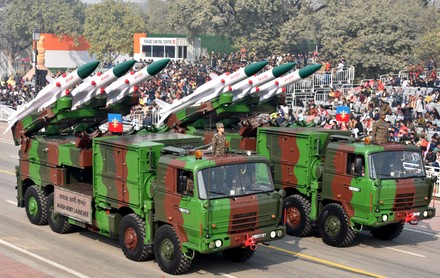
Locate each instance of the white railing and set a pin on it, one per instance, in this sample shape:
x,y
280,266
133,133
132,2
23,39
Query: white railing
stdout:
x,y
432,171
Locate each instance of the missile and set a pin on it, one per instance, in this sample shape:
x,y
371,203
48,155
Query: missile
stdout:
x,y
52,91
230,79
95,85
270,89
209,90
243,88
124,85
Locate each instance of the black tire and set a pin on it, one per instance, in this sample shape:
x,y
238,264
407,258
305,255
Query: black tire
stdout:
x,y
238,255
334,226
297,210
35,205
57,222
132,238
167,251
388,232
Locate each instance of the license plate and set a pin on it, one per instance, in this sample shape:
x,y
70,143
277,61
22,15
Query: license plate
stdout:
x,y
416,213
259,235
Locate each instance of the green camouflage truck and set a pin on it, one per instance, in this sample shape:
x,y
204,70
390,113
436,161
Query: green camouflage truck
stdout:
x,y
135,188
153,191
344,186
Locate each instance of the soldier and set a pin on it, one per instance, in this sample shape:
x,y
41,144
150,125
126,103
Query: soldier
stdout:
x,y
380,130
219,140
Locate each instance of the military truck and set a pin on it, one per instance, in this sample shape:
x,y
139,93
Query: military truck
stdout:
x,y
334,183
343,185
158,193
136,188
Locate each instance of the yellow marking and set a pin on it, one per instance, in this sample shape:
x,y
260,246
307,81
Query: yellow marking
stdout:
x,y
325,262
115,123
343,114
7,172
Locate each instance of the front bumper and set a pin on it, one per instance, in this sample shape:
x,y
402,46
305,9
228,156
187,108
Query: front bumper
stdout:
x,y
218,243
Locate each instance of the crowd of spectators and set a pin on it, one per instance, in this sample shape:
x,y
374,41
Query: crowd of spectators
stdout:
x,y
412,118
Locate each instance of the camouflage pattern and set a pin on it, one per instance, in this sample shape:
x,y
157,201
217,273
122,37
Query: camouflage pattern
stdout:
x,y
379,132
218,144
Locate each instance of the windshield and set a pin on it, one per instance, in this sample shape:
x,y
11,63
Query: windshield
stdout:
x,y
396,164
234,180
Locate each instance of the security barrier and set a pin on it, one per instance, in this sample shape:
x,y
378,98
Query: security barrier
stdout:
x,y
432,171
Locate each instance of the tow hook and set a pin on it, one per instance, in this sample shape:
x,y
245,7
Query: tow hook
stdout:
x,y
250,242
411,218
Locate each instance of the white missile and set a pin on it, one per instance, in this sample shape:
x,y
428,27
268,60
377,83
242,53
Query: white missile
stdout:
x,y
49,94
124,85
209,90
95,85
270,89
243,88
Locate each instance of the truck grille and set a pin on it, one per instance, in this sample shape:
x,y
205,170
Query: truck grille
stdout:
x,y
243,222
404,201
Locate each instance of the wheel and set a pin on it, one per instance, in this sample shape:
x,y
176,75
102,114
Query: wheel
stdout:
x,y
297,210
131,238
388,232
334,226
167,251
57,222
238,254
35,204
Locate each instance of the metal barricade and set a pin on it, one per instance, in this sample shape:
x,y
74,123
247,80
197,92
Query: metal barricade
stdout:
x,y
432,171
137,117
5,111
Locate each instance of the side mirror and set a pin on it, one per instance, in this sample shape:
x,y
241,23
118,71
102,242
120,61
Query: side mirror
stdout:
x,y
282,193
434,179
358,165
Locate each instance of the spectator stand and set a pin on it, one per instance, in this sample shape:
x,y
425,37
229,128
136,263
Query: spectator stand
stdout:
x,y
317,86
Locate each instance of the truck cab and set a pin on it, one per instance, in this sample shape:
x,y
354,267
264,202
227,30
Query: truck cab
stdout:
x,y
380,187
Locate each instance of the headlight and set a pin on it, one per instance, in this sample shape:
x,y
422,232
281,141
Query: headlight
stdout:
x,y
218,243
425,213
211,245
384,217
273,234
279,233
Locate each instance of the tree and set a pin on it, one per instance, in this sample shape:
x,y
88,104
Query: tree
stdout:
x,y
428,45
253,24
110,26
377,38
19,18
158,16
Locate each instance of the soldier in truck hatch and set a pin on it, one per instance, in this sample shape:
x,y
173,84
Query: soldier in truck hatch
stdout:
x,y
219,140
380,130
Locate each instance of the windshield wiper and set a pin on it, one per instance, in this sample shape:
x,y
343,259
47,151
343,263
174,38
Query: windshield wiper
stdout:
x,y
222,194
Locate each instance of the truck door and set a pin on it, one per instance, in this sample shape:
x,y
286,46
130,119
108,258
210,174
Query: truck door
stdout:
x,y
181,207
345,186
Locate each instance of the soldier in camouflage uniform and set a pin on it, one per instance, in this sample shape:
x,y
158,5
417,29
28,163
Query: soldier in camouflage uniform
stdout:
x,y
219,140
380,130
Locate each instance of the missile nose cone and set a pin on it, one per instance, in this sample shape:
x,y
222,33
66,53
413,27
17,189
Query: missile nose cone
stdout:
x,y
157,66
309,70
254,68
123,68
87,69
282,69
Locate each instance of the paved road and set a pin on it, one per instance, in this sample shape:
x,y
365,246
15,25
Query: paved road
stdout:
x,y
27,250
